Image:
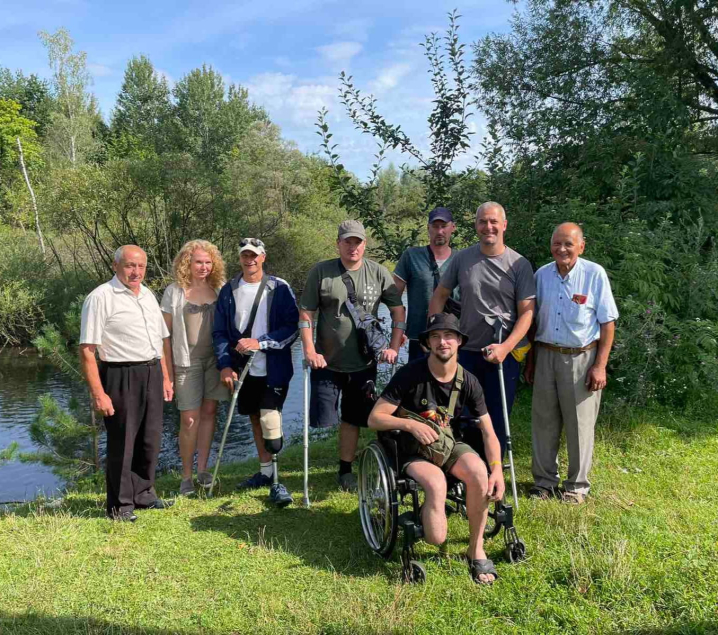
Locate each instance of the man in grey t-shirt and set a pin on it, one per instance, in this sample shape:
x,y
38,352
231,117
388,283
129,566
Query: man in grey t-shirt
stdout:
x,y
418,271
494,280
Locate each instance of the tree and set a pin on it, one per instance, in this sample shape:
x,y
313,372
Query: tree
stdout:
x,y
584,85
73,121
449,135
602,113
32,93
209,124
14,126
142,112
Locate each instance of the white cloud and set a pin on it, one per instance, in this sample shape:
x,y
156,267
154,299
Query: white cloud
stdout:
x,y
99,70
356,30
290,100
389,77
339,52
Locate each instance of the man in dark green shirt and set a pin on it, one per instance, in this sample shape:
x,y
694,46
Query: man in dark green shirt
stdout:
x,y
419,270
337,363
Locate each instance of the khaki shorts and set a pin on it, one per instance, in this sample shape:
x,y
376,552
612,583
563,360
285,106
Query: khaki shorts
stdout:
x,y
459,450
198,381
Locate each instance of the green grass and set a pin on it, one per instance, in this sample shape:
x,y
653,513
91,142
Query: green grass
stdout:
x,y
641,556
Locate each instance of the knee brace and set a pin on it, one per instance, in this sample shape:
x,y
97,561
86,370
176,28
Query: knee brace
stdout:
x,y
271,421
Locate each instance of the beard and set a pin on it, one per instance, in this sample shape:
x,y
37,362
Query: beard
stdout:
x,y
443,356
439,241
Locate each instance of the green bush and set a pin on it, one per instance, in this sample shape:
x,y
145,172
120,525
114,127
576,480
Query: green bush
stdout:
x,y
20,312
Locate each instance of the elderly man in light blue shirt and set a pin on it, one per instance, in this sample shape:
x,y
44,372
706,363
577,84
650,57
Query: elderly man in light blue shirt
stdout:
x,y
575,324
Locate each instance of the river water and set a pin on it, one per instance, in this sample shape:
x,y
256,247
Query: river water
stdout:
x,y
24,377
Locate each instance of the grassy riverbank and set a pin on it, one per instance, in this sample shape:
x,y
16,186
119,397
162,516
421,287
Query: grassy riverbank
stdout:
x,y
639,557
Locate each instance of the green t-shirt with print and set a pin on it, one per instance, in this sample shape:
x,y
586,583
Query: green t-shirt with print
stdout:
x,y
326,293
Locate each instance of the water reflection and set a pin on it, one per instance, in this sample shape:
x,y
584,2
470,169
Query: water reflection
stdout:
x,y
24,377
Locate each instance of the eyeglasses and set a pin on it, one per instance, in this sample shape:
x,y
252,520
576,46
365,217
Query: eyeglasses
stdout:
x,y
255,242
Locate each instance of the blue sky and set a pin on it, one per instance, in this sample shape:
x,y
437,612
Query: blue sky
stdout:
x,y
288,53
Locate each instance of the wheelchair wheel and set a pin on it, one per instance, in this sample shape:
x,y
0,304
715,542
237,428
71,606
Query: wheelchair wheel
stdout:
x,y
378,504
492,526
415,573
516,551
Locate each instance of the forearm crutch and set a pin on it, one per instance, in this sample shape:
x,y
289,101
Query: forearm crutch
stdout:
x,y
507,427
230,414
306,434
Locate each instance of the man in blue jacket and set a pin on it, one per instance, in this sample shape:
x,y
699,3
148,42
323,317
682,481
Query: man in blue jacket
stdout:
x,y
258,312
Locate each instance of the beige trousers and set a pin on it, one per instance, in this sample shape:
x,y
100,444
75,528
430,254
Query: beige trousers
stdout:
x,y
561,400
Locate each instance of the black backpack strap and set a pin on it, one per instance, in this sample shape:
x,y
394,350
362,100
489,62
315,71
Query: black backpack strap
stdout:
x,y
255,307
348,283
455,390
434,266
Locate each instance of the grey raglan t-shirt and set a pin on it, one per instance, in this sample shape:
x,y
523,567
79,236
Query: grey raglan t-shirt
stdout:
x,y
490,285
326,293
414,268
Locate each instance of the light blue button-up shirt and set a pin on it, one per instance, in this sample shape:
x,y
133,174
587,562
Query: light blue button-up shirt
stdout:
x,y
570,310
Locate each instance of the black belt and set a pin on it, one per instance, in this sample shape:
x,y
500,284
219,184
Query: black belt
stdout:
x,y
150,362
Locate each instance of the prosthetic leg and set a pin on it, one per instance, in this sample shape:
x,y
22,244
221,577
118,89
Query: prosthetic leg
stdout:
x,y
271,422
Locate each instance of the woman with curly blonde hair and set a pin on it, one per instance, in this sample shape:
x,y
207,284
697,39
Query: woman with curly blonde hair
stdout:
x,y
188,306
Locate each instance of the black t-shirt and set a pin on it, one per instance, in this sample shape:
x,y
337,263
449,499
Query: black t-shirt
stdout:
x,y
414,388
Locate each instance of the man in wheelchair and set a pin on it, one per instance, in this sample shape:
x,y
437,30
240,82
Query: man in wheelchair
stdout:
x,y
423,401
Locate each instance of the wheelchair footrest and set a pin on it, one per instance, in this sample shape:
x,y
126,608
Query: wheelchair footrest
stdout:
x,y
412,530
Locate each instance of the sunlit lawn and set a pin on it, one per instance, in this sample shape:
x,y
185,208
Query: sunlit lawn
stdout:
x,y
640,557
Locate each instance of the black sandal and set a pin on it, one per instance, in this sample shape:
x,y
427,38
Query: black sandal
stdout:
x,y
482,566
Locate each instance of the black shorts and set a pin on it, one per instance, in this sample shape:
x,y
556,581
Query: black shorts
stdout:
x,y
356,401
255,395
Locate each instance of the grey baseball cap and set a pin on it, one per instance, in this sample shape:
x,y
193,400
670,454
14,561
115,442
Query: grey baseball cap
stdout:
x,y
351,228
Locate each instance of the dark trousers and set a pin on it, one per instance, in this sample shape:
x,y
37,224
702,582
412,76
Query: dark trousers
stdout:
x,y
134,434
415,350
488,376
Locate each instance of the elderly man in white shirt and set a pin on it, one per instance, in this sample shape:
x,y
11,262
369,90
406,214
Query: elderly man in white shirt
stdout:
x,y
575,324
121,320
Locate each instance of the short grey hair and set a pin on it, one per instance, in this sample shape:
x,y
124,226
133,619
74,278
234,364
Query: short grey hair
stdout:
x,y
491,205
572,227
120,251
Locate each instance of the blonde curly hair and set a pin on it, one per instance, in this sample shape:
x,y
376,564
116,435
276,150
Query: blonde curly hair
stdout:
x,y
181,264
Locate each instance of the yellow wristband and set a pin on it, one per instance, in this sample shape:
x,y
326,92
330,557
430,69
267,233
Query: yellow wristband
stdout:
x,y
494,463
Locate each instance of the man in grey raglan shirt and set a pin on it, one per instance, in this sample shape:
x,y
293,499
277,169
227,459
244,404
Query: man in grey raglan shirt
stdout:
x,y
493,280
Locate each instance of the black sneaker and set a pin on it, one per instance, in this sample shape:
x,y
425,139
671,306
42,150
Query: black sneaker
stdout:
x,y
158,503
280,496
347,482
123,517
255,481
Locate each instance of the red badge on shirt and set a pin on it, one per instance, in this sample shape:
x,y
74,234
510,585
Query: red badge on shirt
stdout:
x,y
579,299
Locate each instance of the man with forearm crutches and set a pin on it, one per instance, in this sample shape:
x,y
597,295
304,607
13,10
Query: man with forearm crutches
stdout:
x,y
256,323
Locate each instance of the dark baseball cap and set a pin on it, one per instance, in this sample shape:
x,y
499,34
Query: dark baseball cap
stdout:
x,y
442,322
441,213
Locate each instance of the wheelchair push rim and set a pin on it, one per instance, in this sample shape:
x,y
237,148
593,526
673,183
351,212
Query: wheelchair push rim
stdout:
x,y
378,506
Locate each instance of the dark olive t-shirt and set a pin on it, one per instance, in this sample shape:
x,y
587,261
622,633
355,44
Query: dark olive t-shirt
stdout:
x,y
414,388
326,293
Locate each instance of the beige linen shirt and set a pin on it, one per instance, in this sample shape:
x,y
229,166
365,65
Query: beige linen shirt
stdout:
x,y
125,327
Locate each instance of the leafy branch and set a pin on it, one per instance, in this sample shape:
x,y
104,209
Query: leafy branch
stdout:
x,y
448,130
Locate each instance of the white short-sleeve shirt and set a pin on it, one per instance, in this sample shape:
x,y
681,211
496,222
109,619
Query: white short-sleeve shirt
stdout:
x,y
570,310
125,327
